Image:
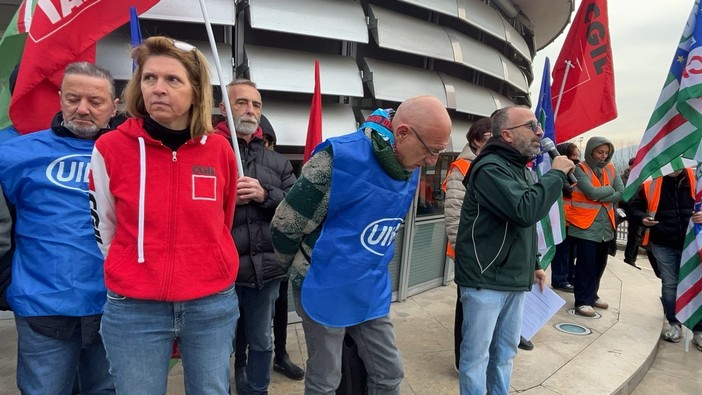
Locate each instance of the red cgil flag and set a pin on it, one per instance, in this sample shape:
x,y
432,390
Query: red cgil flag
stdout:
x,y
314,126
586,99
61,32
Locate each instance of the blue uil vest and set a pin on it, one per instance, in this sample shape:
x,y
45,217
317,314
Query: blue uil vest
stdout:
x,y
348,280
57,268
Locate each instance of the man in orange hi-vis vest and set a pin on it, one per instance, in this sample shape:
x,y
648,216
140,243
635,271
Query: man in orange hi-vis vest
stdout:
x,y
477,136
664,206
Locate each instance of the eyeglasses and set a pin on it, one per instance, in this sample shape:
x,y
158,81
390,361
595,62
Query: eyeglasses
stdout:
x,y
533,125
426,147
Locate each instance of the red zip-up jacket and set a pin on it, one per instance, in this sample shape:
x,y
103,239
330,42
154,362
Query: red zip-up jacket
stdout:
x,y
162,218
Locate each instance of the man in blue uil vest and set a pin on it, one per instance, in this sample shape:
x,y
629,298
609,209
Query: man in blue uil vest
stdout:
x,y
57,290
337,226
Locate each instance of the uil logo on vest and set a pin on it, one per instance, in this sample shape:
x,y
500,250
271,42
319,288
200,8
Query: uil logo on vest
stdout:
x,y
380,234
70,171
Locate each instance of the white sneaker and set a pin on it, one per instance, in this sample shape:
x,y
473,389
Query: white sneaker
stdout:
x,y
585,310
600,304
697,340
674,333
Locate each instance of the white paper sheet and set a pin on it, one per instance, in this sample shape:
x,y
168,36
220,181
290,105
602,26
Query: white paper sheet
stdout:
x,y
539,307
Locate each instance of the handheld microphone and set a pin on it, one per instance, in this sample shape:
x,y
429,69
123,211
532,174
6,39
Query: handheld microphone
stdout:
x,y
550,147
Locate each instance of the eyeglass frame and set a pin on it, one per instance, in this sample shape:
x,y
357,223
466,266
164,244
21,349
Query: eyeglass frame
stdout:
x,y
533,125
426,147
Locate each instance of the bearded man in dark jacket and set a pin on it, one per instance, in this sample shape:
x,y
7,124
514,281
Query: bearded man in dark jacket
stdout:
x,y
496,246
268,176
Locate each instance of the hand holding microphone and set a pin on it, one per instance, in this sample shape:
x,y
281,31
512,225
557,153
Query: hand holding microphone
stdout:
x,y
560,162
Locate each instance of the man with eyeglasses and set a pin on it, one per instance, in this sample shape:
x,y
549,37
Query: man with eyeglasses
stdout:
x,y
337,226
496,246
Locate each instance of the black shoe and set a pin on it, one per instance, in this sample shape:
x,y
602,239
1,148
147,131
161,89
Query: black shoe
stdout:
x,y
285,366
525,344
240,380
564,287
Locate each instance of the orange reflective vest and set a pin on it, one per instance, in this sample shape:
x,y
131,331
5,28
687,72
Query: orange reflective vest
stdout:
x,y
652,191
462,165
582,210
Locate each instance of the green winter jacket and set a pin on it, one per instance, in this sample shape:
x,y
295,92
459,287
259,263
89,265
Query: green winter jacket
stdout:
x,y
496,246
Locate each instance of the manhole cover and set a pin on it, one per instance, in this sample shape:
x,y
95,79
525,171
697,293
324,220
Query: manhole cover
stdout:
x,y
573,329
572,312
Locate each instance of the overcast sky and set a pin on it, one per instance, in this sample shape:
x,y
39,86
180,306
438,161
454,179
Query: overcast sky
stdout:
x,y
644,37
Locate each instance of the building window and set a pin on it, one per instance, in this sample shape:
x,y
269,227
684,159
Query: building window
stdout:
x,y
430,201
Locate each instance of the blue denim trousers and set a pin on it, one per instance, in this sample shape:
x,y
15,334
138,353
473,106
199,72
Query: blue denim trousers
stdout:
x,y
669,266
139,335
48,366
256,307
492,322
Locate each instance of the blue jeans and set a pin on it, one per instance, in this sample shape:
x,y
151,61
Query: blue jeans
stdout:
x,y
48,366
491,326
256,306
139,335
669,265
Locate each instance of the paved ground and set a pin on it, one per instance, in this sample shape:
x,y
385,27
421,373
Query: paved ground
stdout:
x,y
611,360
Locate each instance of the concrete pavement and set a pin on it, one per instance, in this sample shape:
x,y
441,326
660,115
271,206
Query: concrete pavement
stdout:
x,y
622,351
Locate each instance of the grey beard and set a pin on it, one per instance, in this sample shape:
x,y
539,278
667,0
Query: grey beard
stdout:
x,y
84,133
246,128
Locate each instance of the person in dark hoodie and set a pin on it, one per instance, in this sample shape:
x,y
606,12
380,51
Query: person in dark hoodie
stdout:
x,y
497,246
268,176
563,263
593,222
57,290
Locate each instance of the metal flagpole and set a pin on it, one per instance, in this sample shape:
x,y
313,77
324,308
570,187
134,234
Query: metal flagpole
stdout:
x,y
222,84
560,93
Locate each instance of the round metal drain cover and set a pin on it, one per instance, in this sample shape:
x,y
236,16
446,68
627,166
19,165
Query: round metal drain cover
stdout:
x,y
573,329
572,312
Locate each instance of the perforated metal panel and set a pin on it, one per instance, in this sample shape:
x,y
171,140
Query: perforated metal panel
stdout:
x,y
339,74
336,19
220,12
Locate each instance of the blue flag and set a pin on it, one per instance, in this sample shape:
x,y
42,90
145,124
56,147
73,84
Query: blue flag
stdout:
x,y
134,30
551,229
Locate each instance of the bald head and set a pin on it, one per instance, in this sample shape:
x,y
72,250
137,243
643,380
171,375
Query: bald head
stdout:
x,y
422,129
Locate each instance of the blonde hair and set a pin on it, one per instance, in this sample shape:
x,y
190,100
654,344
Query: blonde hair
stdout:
x,y
198,72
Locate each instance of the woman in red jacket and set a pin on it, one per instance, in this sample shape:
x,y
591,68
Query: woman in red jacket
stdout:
x,y
163,191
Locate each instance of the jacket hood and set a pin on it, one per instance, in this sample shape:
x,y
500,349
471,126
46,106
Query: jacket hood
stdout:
x,y
593,143
467,153
267,129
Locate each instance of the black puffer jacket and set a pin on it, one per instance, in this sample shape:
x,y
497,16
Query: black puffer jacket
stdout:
x,y
257,263
675,208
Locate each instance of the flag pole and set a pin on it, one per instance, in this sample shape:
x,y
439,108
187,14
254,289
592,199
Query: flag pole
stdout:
x,y
560,92
223,86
